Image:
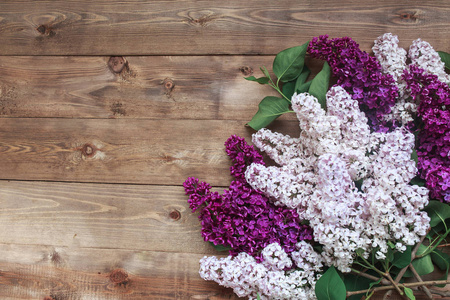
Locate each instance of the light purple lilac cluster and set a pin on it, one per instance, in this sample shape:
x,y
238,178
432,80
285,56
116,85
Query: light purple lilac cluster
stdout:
x,y
360,75
317,174
425,99
268,279
242,218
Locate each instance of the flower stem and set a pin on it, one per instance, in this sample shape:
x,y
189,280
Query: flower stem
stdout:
x,y
419,279
368,276
402,285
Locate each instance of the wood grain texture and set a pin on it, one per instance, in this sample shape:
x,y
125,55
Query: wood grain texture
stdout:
x,y
209,27
163,152
107,106
197,87
103,274
112,216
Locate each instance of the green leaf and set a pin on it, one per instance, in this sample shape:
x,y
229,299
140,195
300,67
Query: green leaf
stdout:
x,y
402,259
390,254
260,80
438,212
423,265
442,261
417,181
301,79
304,87
356,283
270,108
258,297
288,64
372,284
330,286
414,156
319,85
445,57
220,248
288,89
265,72
409,293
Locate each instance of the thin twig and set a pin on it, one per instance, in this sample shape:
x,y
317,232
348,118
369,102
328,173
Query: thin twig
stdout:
x,y
440,293
388,294
394,283
402,285
419,279
374,278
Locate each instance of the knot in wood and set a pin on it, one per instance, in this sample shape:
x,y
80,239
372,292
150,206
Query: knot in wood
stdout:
x,y
175,215
41,29
407,16
168,84
118,276
45,30
88,150
117,63
246,70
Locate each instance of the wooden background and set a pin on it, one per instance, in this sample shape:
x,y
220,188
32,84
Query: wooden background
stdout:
x,y
106,107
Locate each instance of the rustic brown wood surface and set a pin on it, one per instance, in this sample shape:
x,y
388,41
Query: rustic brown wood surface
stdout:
x,y
106,107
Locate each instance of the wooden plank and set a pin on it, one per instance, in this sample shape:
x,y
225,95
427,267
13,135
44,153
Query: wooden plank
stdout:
x,y
38,271
102,274
134,27
142,151
112,216
194,87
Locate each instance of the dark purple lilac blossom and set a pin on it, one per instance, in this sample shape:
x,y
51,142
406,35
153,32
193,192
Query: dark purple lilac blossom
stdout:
x,y
360,75
243,218
433,142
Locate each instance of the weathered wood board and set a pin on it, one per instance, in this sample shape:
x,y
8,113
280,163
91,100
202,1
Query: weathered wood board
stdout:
x,y
106,107
208,27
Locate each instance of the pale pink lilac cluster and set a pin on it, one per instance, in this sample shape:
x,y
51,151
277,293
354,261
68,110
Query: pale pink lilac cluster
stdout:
x,y
269,279
317,174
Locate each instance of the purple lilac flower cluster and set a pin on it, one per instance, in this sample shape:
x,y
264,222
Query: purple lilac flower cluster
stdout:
x,y
360,75
242,218
433,148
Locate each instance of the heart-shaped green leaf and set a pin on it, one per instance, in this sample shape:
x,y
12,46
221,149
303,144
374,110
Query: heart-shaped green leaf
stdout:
x,y
330,286
301,79
402,259
288,64
409,293
260,80
270,108
438,212
442,261
319,85
445,57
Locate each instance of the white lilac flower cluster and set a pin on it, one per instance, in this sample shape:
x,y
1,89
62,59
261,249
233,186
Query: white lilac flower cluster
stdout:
x,y
317,174
268,279
392,59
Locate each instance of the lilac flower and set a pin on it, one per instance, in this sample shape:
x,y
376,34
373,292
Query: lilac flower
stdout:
x,y
360,75
249,278
433,147
317,175
242,218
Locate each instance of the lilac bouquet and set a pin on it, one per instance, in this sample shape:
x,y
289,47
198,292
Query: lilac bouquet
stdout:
x,y
356,203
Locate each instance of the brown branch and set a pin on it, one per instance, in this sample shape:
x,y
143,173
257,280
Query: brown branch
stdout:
x,y
402,285
419,279
368,276
387,295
